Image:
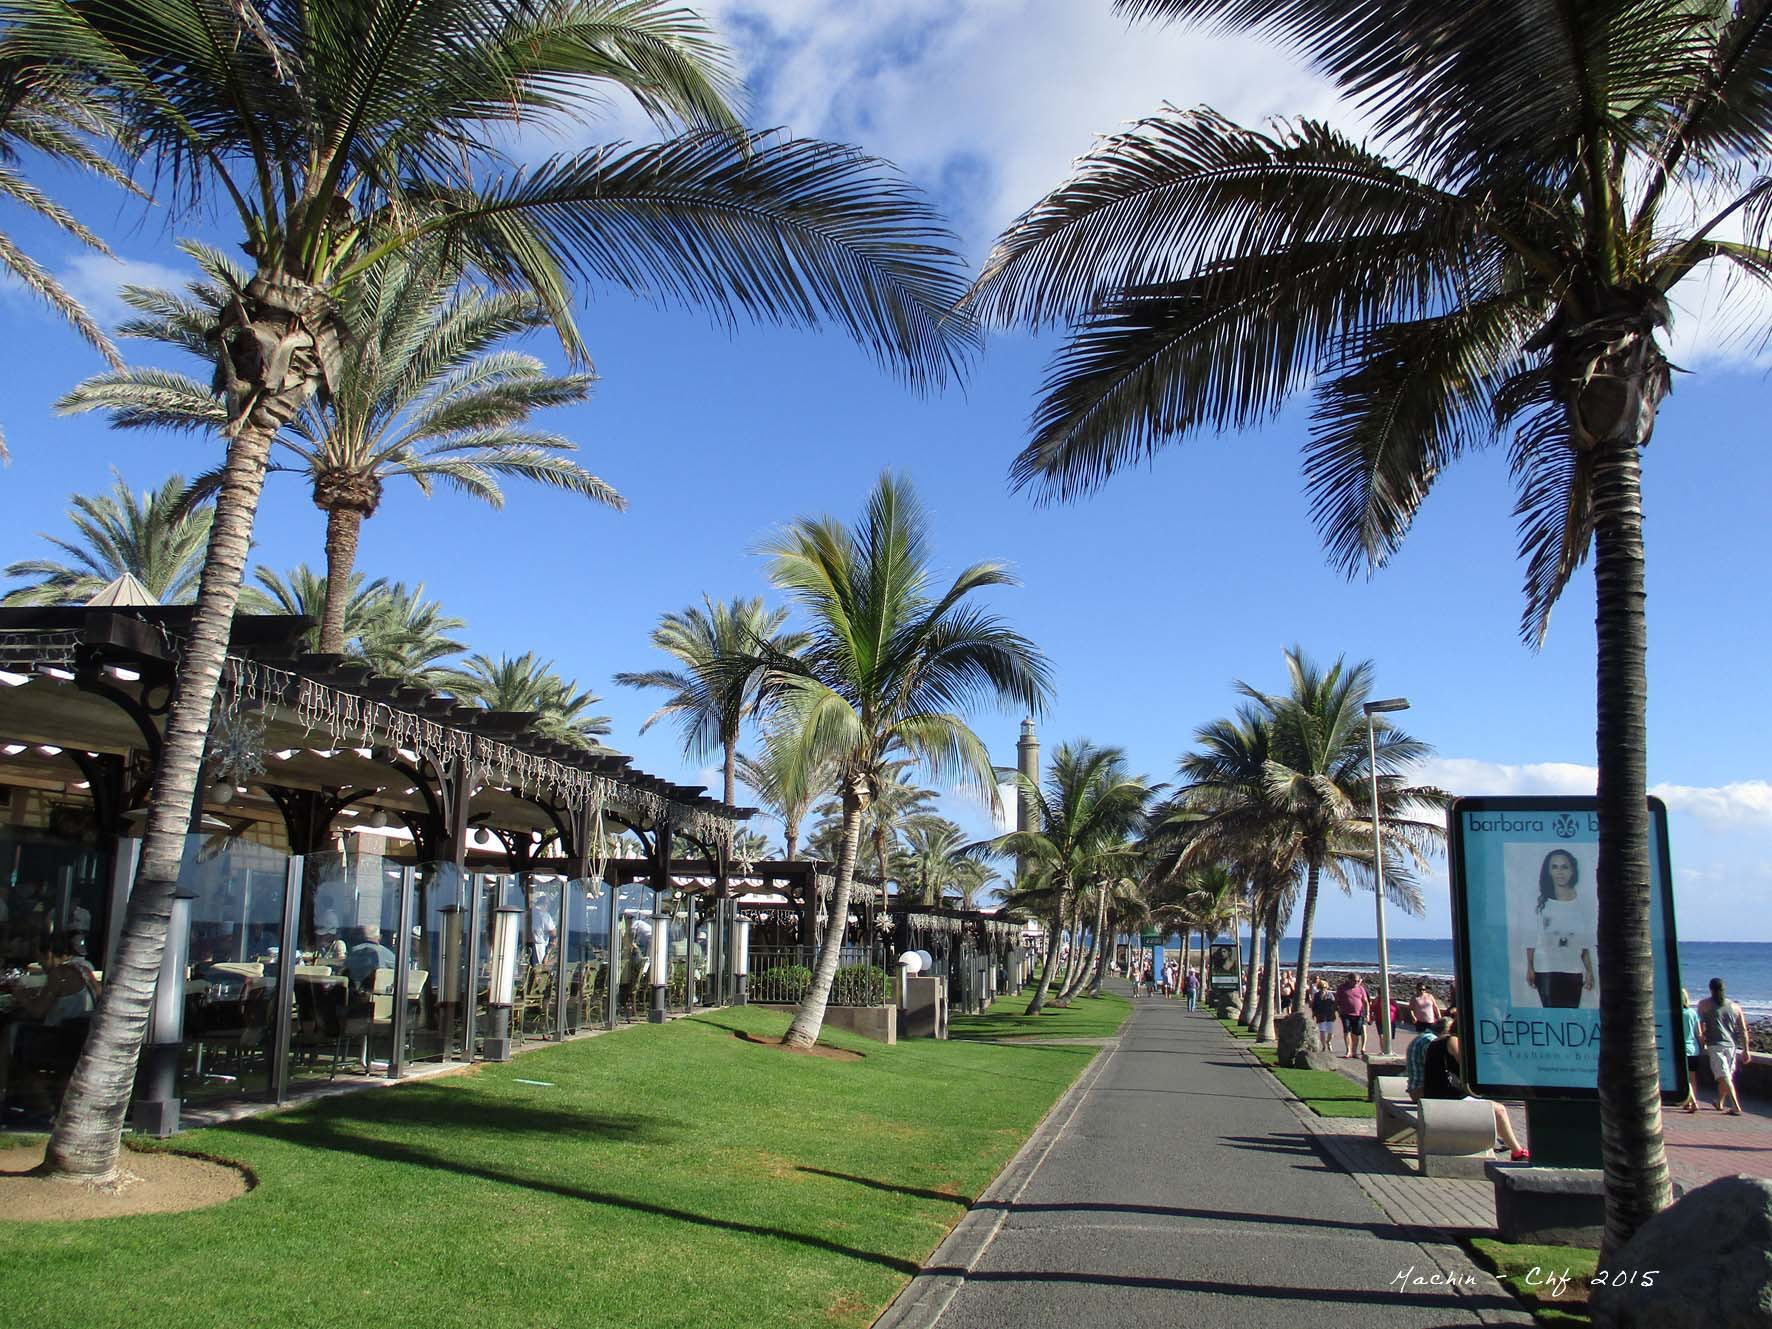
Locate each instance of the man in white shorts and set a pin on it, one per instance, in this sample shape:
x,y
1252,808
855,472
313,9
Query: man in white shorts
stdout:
x,y
1723,1029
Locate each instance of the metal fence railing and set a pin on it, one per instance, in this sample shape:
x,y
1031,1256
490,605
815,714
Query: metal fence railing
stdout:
x,y
781,974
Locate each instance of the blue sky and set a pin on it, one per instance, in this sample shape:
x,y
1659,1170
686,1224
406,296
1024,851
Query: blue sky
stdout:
x,y
1151,597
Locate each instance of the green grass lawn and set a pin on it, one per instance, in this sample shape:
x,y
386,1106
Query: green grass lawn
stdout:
x,y
1533,1274
663,1175
1327,1093
1085,1017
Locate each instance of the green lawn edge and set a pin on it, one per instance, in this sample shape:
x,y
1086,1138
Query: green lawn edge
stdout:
x,y
665,1175
1326,1093
1523,1270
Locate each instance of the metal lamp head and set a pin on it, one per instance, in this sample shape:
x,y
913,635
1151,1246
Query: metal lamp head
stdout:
x,y
1385,706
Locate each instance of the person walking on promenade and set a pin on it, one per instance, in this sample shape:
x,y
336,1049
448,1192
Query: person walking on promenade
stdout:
x,y
1424,1008
1150,979
1323,1012
1190,985
1723,1027
1694,1055
1353,1001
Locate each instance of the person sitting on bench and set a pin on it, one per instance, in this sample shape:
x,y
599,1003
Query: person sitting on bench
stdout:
x,y
1439,1079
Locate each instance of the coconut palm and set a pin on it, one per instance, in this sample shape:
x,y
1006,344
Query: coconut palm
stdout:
x,y
897,803
704,639
1082,817
785,784
43,112
1319,777
334,133
527,683
426,394
148,536
893,662
1501,265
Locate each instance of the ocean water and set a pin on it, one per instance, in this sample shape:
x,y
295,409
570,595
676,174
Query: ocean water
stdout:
x,y
1744,966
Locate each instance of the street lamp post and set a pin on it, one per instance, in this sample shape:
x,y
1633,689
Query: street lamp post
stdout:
x,y
1373,708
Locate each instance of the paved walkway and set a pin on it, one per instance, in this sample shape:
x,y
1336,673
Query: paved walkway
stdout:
x,y
1176,1185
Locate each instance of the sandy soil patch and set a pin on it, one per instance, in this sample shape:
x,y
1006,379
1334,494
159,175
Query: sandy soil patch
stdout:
x,y
816,1050
154,1182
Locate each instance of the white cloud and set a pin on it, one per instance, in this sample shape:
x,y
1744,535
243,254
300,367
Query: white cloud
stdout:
x,y
95,281
1470,776
1745,804
991,101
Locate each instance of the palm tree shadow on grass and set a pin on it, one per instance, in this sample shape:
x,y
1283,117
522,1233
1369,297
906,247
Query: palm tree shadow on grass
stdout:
x,y
319,1135
441,1111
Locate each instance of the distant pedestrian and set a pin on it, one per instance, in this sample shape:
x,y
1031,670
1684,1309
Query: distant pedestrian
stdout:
x,y
1190,988
1424,1009
1150,980
1694,1053
1323,1012
1723,1028
1353,1002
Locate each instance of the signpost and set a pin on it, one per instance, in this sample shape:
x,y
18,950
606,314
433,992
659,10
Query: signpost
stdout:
x,y
1524,919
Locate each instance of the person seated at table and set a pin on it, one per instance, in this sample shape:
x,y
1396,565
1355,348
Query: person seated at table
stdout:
x,y
364,956
329,947
68,990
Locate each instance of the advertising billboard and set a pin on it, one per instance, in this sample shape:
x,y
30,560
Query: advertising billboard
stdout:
x,y
1525,914
1221,966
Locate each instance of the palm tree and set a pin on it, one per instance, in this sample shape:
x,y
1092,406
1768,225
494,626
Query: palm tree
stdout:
x,y
44,111
892,663
526,683
302,592
396,631
784,783
896,803
1502,265
148,535
405,636
1082,818
928,860
1319,777
337,133
705,640
425,395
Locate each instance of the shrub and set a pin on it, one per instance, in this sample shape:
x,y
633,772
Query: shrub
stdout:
x,y
783,983
859,985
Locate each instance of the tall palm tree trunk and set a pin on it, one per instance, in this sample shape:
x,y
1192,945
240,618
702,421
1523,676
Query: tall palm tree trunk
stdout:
x,y
87,1136
1629,1081
1103,949
1076,948
343,526
1246,1014
1087,967
729,782
1270,980
1313,878
809,1017
1046,971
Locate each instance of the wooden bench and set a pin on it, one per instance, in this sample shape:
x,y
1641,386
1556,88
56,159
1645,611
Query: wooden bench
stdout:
x,y
1454,1137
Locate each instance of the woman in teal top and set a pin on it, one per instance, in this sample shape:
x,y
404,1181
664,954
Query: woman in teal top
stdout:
x,y
1689,1033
